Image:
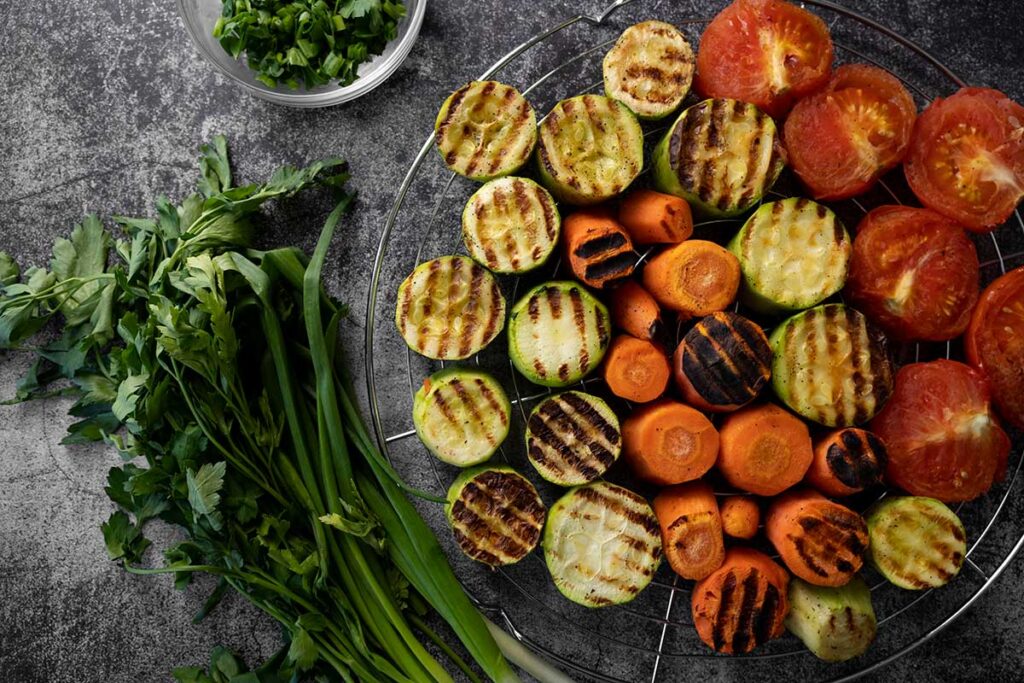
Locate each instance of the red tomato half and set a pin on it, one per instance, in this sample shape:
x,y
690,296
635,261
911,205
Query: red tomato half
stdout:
x,y
966,157
914,273
767,52
841,139
942,437
995,342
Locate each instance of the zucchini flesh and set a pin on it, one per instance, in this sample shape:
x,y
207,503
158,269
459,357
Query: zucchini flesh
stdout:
x,y
449,308
830,366
916,542
558,333
510,225
835,623
720,155
485,130
590,149
461,415
496,515
572,438
649,69
794,254
602,544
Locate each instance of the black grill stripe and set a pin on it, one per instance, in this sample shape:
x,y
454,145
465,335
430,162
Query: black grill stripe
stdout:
x,y
554,297
453,107
724,616
492,400
470,404
854,461
469,546
542,431
472,311
442,405
743,636
515,494
767,617
579,319
539,456
567,425
809,559
481,535
617,267
588,412
855,327
508,514
599,245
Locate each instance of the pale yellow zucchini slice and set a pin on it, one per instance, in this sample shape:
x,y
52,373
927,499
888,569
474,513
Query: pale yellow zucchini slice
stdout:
x,y
649,69
511,225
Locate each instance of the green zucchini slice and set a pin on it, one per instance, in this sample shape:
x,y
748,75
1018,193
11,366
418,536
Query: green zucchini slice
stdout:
x,y
794,254
649,69
590,149
916,542
485,130
572,438
511,225
720,155
449,308
496,515
558,333
831,366
461,415
602,544
836,624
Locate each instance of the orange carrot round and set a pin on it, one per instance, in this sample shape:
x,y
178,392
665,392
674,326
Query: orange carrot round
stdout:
x,y
598,249
651,217
847,461
691,529
636,369
740,516
694,277
765,449
635,311
668,442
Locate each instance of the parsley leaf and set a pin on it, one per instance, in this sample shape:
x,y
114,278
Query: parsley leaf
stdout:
x,y
204,491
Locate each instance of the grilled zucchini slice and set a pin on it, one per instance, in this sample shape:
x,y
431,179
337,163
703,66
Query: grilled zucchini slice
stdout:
x,y
602,544
485,130
831,366
649,69
461,415
496,515
510,225
590,149
558,333
449,308
835,623
572,438
794,254
916,542
720,155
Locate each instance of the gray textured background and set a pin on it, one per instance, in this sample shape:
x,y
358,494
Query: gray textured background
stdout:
x,y
104,103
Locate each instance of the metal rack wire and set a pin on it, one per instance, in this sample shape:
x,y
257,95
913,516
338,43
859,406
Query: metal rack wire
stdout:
x,y
606,644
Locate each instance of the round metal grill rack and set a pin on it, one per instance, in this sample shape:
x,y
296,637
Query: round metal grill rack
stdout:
x,y
654,634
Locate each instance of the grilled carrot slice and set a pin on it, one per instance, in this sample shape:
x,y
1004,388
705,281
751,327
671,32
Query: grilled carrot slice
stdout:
x,y
691,529
598,249
742,604
819,540
652,217
723,362
846,462
740,516
636,369
635,312
695,277
764,450
669,443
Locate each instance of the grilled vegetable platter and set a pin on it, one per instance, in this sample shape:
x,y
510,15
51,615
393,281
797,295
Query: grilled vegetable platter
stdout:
x,y
720,360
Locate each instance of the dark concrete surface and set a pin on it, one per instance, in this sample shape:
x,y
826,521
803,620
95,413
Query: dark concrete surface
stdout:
x,y
103,105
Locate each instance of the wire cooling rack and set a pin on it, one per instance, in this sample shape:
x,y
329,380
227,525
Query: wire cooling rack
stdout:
x,y
652,638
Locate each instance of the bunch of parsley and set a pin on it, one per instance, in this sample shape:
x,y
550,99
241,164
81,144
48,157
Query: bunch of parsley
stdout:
x,y
308,42
214,370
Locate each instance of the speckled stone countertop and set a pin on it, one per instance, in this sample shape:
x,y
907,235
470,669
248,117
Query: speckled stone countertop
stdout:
x,y
104,103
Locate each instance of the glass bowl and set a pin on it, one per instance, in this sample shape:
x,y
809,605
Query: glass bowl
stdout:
x,y
199,17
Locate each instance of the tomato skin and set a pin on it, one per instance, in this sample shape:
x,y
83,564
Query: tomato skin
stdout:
x,y
844,137
914,273
966,157
941,434
995,343
766,52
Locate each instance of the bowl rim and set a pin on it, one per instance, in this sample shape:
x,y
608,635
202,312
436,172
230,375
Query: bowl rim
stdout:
x,y
307,99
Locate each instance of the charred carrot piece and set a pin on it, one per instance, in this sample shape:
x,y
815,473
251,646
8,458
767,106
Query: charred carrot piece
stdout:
x,y
598,249
847,461
691,529
653,217
636,312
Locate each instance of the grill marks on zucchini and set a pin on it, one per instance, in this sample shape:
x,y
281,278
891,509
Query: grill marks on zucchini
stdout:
x,y
572,438
721,155
916,542
794,253
510,225
831,366
461,415
590,149
558,333
602,544
485,130
496,515
649,69
725,359
449,308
